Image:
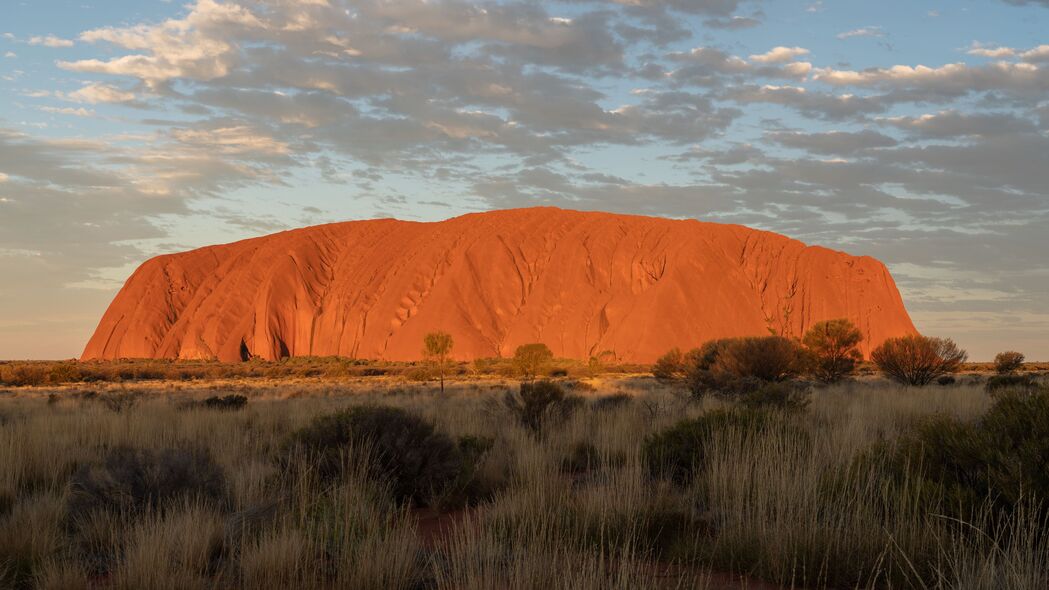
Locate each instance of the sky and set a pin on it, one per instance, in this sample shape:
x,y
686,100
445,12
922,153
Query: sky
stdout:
x,y
913,131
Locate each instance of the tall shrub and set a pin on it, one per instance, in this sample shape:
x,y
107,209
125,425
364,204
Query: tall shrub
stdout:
x,y
918,360
832,346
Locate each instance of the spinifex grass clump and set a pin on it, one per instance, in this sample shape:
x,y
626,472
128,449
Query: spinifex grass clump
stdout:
x,y
129,481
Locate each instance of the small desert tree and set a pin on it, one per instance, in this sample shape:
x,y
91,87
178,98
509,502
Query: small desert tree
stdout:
x,y
832,346
918,360
531,359
437,350
1008,362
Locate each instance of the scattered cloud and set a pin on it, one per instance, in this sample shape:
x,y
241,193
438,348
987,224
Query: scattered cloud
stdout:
x,y
50,41
95,92
862,32
780,55
79,112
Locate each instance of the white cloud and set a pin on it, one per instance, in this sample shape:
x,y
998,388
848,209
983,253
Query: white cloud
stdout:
x,y
862,32
50,41
10,55
95,92
4,177
779,55
231,140
945,81
990,51
79,112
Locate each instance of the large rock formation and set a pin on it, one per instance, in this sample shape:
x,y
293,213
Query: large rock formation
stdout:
x,y
583,283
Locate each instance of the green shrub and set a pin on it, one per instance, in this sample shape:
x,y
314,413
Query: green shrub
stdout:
x,y
832,346
783,396
612,402
737,366
679,452
768,358
398,447
582,458
1002,458
670,366
227,402
128,481
418,374
1000,383
468,488
918,360
539,401
531,360
1008,362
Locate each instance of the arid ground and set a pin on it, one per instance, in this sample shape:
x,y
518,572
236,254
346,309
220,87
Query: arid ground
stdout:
x,y
144,484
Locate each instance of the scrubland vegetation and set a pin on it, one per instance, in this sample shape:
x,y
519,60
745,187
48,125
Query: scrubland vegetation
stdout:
x,y
754,463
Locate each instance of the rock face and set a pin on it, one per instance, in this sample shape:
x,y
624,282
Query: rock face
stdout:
x,y
584,283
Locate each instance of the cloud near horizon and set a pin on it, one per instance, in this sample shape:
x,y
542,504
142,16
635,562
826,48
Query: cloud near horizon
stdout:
x,y
225,119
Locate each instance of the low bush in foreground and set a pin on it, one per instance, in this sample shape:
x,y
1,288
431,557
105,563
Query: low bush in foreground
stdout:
x,y
1001,458
679,452
539,402
128,481
1007,382
395,446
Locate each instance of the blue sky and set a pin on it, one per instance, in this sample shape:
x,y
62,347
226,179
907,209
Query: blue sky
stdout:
x,y
915,132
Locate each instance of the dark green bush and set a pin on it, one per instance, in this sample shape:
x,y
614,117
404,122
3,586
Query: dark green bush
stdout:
x,y
998,383
582,458
670,366
612,402
226,402
539,401
679,452
400,448
768,358
738,366
946,380
1002,458
783,396
468,487
128,481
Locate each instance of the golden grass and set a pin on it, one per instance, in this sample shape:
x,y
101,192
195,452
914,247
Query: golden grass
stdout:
x,y
777,506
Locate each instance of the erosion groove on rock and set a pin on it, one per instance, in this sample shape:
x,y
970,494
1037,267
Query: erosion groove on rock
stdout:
x,y
584,283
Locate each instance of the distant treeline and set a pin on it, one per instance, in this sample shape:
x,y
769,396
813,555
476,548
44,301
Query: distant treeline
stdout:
x,y
41,373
